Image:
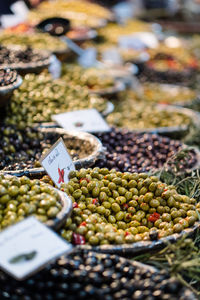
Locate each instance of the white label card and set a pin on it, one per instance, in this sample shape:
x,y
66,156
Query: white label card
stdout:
x,y
58,163
88,120
28,246
138,41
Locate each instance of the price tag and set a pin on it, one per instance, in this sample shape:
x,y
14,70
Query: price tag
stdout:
x,y
138,41
28,246
58,163
88,120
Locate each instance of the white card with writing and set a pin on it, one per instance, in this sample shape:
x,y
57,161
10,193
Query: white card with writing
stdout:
x,y
28,246
58,163
88,120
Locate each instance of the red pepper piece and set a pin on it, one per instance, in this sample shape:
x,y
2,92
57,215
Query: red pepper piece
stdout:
x,y
78,239
95,201
154,217
127,233
83,224
125,206
75,205
84,179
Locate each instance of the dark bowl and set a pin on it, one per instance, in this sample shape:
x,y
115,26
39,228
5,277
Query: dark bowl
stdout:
x,y
49,25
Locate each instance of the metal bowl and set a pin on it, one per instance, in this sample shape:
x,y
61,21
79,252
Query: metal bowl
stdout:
x,y
31,67
93,150
7,91
65,212
140,247
174,131
110,92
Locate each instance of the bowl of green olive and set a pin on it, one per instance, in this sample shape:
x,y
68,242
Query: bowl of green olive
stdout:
x,y
21,197
128,213
173,121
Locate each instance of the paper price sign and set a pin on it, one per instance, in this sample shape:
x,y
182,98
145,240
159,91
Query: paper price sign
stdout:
x,y
58,163
28,246
88,120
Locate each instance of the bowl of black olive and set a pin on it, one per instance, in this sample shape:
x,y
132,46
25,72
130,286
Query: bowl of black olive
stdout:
x,y
9,81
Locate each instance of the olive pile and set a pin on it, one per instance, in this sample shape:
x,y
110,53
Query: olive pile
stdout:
x,y
94,79
22,148
39,97
7,77
22,197
94,276
19,56
111,207
39,41
167,94
113,31
133,152
139,116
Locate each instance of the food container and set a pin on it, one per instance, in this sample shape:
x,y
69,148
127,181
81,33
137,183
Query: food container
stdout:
x,y
89,148
110,92
30,67
176,131
65,212
7,91
143,246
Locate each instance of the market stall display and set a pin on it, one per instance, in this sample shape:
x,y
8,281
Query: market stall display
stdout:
x,y
134,191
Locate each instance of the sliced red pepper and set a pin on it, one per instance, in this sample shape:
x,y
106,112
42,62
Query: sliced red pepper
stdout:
x,y
154,217
83,223
84,179
125,206
127,233
95,201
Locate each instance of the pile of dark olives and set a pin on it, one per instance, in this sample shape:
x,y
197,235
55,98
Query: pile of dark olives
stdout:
x,y
10,56
111,207
22,197
92,276
7,77
39,97
134,152
22,148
